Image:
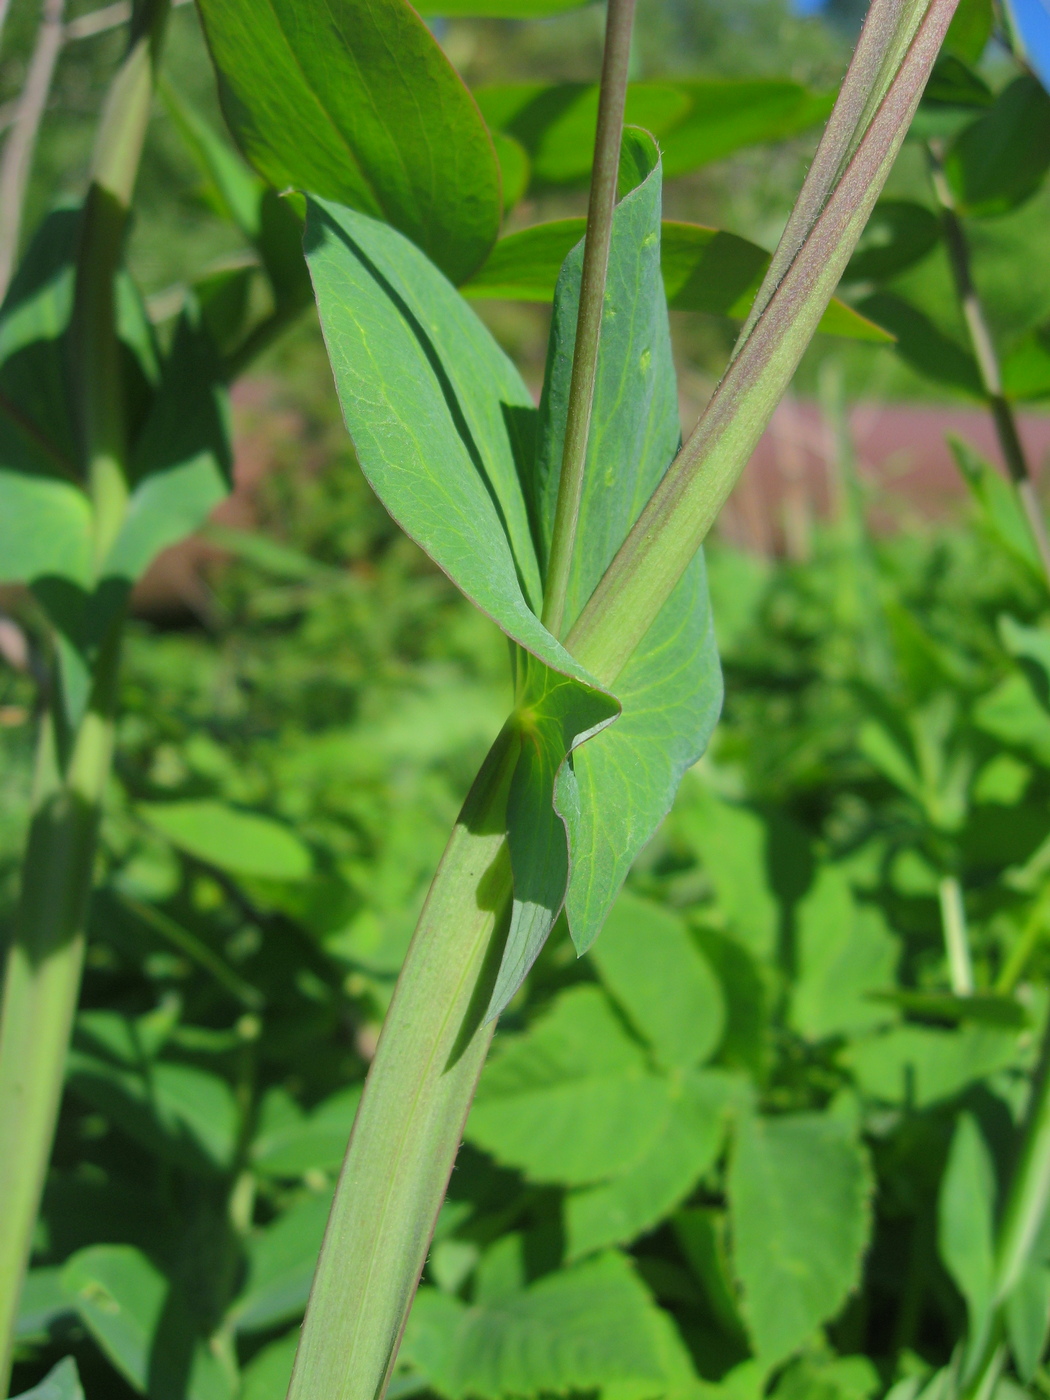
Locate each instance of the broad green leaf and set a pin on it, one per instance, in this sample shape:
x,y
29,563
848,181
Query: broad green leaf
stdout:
x,y
727,116
1012,714
514,168
704,269
307,1142
242,843
572,1100
899,234
183,1114
843,951
45,529
919,1065
799,1189
733,843
355,102
1027,1314
281,1262
966,1210
970,30
829,1378
62,1382
143,1325
267,1374
923,345
443,428
622,783
657,974
696,122
984,1008
580,1329
997,502
1002,158
618,1211
1026,369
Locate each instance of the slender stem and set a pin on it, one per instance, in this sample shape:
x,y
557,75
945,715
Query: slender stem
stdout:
x,y
1029,1189
408,1127
985,354
5,5
17,159
956,941
1034,931
42,977
619,21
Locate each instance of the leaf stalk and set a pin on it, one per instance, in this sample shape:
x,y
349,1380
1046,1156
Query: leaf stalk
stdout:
x,y
611,102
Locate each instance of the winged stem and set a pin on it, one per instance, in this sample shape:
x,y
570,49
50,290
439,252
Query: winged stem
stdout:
x,y
42,976
611,102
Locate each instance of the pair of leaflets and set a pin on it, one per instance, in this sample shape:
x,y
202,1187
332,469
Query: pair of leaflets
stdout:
x,y
448,435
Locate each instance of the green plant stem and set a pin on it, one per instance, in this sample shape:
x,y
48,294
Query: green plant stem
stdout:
x,y
613,96
848,181
1034,931
416,1098
984,351
956,940
42,978
1029,1190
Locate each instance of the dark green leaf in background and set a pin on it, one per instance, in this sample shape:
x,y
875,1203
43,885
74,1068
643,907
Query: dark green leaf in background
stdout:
x,y
899,234
355,102
997,502
799,1189
652,967
1026,369
242,843
922,344
1002,159
281,1262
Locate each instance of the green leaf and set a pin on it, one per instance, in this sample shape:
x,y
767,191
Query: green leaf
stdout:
x,y
581,1328
242,843
829,1378
143,1325
572,1100
183,1114
899,234
702,1236
45,529
182,459
843,952
1002,158
920,1066
923,345
622,783
997,502
267,1374
1027,1312
312,1142
443,428
62,1382
983,1008
696,123
281,1263
657,974
966,1225
1026,369
514,168
799,1189
704,269
618,1211
970,30
233,186
356,102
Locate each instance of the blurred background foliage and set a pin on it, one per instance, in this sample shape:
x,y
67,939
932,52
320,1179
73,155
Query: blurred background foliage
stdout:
x,y
294,744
